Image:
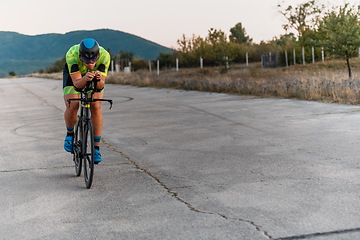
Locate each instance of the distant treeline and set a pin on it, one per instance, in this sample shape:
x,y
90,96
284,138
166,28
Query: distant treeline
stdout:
x,y
319,33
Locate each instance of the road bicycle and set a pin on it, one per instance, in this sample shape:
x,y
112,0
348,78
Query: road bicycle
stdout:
x,y
83,150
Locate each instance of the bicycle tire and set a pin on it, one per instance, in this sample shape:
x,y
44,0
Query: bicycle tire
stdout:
x,y
88,153
77,150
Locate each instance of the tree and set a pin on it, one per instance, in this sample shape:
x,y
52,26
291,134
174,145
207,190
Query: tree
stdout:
x,y
238,34
302,17
190,50
213,49
125,58
341,32
58,66
218,47
12,74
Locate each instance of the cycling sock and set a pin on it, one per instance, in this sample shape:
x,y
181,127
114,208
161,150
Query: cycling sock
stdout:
x,y
69,129
97,140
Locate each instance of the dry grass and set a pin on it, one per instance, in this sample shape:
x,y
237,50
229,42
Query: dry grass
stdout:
x,y
319,82
327,81
57,76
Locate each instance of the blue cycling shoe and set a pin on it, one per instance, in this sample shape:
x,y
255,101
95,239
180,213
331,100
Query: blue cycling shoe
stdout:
x,y
68,143
97,156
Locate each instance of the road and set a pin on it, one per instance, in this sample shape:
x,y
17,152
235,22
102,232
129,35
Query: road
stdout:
x,y
180,165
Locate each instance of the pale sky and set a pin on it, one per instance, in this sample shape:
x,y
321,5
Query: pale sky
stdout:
x,y
160,21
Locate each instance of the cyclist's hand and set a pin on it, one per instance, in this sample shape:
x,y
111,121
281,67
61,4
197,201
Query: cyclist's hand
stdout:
x,y
97,76
89,76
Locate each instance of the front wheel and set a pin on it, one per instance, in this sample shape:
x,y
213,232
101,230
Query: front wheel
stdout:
x,y
88,153
77,150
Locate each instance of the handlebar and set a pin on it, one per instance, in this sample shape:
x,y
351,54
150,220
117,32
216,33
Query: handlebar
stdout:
x,y
91,100
90,86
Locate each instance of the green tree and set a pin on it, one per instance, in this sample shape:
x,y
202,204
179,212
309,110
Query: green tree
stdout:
x,y
12,74
302,17
124,55
124,58
341,31
139,64
212,49
238,34
219,47
167,60
58,66
190,50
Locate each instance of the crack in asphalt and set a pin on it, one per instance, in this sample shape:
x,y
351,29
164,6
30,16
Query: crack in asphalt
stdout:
x,y
225,119
345,112
175,194
320,234
192,208
40,98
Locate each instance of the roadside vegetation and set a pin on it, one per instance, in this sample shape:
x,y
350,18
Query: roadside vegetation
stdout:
x,y
318,59
327,82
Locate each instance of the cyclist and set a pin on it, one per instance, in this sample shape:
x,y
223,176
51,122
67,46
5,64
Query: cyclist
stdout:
x,y
84,62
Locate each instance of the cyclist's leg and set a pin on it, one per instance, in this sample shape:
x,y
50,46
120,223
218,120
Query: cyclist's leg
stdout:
x,y
70,114
69,92
97,120
97,117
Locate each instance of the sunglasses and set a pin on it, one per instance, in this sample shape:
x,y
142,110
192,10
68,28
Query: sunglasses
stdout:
x,y
89,60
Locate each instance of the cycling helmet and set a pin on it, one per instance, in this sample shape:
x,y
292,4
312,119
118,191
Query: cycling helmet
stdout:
x,y
89,50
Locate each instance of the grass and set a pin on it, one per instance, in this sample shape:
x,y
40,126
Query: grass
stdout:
x,y
326,82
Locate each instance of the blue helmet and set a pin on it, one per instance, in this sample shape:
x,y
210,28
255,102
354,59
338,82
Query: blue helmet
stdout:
x,y
89,50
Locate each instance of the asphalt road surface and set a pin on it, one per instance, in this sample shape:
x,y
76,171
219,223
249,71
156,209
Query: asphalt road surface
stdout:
x,y
180,165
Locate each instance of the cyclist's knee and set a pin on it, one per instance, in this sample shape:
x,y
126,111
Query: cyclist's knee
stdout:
x,y
96,106
73,106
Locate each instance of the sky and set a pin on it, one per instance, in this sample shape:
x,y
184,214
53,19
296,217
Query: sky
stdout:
x,y
160,21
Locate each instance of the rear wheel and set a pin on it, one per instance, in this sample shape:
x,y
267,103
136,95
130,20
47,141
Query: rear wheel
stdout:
x,y
77,149
88,154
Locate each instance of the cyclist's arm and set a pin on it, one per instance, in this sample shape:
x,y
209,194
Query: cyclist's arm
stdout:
x,y
101,77
80,81
103,68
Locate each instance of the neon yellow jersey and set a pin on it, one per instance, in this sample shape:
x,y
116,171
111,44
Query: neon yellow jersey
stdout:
x,y
75,64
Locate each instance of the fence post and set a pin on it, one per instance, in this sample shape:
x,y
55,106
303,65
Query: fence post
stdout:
x,y
201,62
303,54
322,54
247,58
294,53
149,66
286,58
313,54
158,67
177,64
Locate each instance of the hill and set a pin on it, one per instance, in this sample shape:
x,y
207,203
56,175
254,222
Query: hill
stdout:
x,y
25,54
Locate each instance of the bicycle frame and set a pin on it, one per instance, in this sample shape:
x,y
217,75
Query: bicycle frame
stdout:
x,y
84,128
